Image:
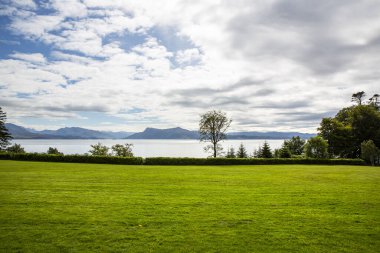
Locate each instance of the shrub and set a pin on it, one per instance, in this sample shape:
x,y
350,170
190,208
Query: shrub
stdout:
x,y
53,151
122,150
99,150
370,153
16,148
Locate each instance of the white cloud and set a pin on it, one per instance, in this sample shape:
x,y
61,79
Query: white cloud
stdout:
x,y
267,63
188,56
35,58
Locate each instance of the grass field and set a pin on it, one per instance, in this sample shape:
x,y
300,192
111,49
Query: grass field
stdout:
x,y
49,207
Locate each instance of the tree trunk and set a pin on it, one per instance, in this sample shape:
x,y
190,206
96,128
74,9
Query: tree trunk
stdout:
x,y
214,150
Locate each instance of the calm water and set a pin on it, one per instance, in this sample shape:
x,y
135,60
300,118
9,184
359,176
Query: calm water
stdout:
x,y
144,148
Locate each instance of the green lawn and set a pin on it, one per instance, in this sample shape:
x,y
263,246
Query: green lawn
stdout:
x,y
48,207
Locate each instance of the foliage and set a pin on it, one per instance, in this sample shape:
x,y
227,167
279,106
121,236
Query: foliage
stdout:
x,y
71,158
295,145
257,153
53,151
284,152
316,147
99,150
123,150
349,128
231,153
370,153
15,148
358,97
266,151
5,136
212,128
241,152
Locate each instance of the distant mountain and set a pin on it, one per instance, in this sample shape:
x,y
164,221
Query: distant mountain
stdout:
x,y
19,132
170,133
180,133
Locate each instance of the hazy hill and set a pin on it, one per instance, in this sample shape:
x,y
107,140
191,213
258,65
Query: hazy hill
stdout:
x,y
170,133
19,132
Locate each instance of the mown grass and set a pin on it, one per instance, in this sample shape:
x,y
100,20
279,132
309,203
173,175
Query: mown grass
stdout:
x,y
49,207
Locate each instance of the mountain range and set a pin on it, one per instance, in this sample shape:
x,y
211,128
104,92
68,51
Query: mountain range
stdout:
x,y
19,132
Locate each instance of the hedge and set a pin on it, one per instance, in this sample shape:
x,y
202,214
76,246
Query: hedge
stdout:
x,y
71,158
247,161
172,160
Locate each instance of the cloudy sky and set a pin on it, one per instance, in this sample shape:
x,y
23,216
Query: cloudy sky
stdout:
x,y
125,65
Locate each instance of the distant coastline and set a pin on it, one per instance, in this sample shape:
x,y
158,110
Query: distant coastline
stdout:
x,y
77,133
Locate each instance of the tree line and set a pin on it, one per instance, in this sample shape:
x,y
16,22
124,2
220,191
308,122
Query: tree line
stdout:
x,y
354,132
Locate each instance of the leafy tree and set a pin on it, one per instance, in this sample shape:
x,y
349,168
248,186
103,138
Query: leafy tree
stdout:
x,y
266,151
241,152
257,152
212,128
350,127
99,149
295,145
316,147
53,151
123,150
358,97
284,152
5,136
16,148
231,153
370,153
339,137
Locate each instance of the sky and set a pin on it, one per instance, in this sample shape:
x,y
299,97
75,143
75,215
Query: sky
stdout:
x,y
271,65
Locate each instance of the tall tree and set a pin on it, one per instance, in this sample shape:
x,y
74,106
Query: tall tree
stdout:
x,y
212,128
295,145
266,151
5,136
350,127
231,153
241,152
358,97
316,147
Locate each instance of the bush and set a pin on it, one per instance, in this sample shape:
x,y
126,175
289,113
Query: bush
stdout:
x,y
370,153
15,148
71,158
247,161
53,151
316,147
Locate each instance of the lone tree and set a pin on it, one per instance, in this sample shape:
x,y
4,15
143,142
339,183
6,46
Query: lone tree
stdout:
x,y
5,136
358,97
212,128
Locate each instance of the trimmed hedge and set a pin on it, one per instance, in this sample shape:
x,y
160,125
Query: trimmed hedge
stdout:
x,y
247,161
172,160
71,158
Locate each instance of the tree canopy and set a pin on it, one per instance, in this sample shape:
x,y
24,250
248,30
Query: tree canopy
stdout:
x,y
213,126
